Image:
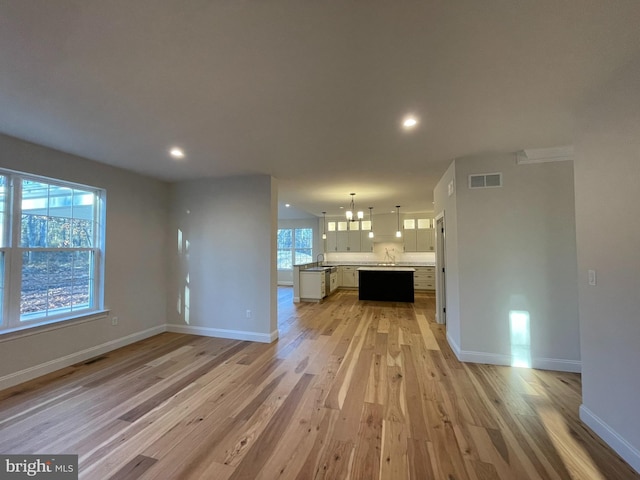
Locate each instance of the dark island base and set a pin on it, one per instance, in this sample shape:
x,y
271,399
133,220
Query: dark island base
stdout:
x,y
388,286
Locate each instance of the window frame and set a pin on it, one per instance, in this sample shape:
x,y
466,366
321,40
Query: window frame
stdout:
x,y
12,253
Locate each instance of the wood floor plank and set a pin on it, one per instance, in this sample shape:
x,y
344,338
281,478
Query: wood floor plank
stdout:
x,y
259,453
134,469
351,390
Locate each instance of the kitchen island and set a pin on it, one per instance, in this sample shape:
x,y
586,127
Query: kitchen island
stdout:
x,y
391,284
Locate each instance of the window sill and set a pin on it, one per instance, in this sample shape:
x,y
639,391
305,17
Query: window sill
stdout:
x,y
48,325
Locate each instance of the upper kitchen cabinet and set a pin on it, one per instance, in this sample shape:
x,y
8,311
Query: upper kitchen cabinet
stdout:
x,y
349,239
331,243
366,243
418,233
343,236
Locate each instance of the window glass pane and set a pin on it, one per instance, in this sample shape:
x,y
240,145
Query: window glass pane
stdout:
x,y
354,225
409,224
424,223
342,226
331,226
285,260
81,233
55,282
303,256
56,217
1,285
285,238
3,211
82,280
35,282
304,237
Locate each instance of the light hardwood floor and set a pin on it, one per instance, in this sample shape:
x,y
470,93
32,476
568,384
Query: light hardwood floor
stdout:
x,y
357,390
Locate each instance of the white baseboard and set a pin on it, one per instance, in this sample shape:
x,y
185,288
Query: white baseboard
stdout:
x,y
484,357
223,333
559,364
454,346
500,359
44,368
623,448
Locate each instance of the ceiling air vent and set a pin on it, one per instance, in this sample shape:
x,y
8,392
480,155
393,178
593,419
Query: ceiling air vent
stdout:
x,y
485,180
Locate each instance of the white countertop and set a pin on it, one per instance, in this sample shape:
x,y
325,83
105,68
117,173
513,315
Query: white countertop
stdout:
x,y
386,269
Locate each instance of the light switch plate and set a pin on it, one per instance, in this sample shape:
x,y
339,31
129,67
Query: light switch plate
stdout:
x,y
592,277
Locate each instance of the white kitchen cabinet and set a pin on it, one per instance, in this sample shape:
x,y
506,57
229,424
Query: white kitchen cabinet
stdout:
x,y
409,240
348,241
425,240
331,243
366,243
349,276
424,278
418,236
312,285
333,281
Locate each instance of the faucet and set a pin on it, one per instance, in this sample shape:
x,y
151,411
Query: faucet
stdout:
x,y
389,257
318,258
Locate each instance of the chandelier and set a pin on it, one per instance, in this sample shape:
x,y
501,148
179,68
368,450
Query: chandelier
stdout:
x,y
352,209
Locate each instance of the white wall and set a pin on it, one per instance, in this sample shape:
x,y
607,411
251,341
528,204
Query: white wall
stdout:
x,y
511,248
229,265
446,205
135,269
607,173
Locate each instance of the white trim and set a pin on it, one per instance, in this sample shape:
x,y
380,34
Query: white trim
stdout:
x,y
484,357
224,333
285,283
544,155
454,346
48,325
623,448
44,368
559,364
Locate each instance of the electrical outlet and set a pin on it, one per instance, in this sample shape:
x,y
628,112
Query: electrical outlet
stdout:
x,y
114,321
592,277
248,313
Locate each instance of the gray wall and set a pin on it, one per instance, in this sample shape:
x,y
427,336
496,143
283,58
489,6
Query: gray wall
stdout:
x,y
515,249
135,269
229,266
607,173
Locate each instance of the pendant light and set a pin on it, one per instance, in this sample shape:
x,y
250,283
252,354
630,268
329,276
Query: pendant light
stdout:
x,y
371,223
398,232
324,225
352,208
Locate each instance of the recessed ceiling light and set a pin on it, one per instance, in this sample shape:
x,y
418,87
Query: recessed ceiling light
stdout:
x,y
176,152
287,205
409,122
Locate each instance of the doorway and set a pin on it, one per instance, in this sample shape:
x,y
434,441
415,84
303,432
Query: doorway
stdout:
x,y
441,297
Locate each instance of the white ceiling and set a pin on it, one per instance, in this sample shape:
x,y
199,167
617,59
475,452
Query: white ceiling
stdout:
x,y
309,92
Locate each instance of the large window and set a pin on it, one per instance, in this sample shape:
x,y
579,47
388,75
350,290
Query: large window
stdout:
x,y
52,237
295,246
